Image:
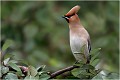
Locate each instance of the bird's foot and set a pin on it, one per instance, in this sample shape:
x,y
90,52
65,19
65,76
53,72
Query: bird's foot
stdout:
x,y
76,62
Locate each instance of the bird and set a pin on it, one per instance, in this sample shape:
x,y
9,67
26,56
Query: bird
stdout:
x,y
79,37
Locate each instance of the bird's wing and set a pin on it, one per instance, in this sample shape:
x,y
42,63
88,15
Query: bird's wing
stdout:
x,y
89,45
89,49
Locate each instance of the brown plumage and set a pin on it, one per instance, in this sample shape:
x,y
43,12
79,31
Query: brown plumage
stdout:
x,y
79,36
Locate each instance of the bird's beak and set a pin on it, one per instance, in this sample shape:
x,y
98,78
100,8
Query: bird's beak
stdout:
x,y
66,18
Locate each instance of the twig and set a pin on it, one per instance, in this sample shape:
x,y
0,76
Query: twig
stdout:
x,y
62,71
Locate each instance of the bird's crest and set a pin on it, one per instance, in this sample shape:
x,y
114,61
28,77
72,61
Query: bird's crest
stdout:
x,y
73,11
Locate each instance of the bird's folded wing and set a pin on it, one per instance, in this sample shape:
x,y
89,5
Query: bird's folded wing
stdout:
x,y
89,45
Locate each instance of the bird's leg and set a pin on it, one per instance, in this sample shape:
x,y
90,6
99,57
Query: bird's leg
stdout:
x,y
88,59
88,62
76,62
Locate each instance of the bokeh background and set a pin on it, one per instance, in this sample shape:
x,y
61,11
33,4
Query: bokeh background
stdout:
x,y
41,36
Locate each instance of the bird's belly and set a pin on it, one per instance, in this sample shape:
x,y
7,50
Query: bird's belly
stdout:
x,y
76,43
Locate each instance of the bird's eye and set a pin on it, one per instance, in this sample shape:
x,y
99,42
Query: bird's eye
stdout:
x,y
68,16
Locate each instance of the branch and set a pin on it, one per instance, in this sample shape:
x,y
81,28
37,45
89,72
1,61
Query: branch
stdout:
x,y
52,75
62,71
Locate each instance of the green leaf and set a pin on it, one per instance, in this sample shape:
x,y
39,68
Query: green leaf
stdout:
x,y
11,76
43,72
6,61
4,69
94,57
82,76
106,75
76,72
15,67
79,63
80,73
95,62
7,44
87,66
23,62
44,77
94,72
30,78
32,70
18,73
13,61
112,76
98,76
37,76
94,51
7,55
40,68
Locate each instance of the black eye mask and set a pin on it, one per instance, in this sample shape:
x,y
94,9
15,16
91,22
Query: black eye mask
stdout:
x,y
70,15
67,17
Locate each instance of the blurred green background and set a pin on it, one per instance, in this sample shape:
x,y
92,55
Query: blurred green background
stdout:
x,y
41,36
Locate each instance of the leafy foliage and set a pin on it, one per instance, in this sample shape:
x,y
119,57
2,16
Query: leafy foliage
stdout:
x,y
11,69
87,71
7,44
38,29
11,76
41,36
95,57
106,75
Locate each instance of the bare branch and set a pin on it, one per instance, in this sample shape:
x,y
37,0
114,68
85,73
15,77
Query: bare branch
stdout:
x,y
62,71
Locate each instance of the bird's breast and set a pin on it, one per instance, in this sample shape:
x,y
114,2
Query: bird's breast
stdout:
x,y
76,43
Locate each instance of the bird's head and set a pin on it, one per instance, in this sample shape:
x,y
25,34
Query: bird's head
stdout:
x,y
71,16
